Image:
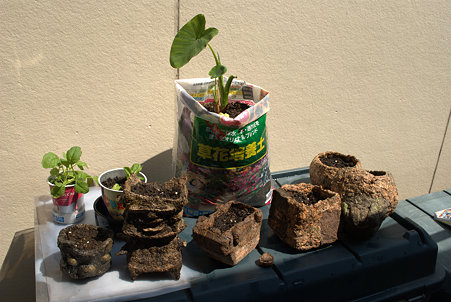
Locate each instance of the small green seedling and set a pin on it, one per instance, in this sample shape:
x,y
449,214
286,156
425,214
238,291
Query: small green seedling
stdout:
x,y
134,169
63,171
188,43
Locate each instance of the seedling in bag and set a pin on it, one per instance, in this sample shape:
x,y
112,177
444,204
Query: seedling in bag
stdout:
x,y
188,43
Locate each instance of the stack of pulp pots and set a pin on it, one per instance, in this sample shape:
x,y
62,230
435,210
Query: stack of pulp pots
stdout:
x,y
152,221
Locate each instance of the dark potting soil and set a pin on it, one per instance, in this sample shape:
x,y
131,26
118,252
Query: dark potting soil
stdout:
x,y
231,217
338,162
232,109
378,173
311,198
153,189
110,182
86,239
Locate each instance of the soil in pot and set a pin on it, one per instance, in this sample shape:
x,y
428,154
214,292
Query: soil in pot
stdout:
x,y
85,250
110,182
305,216
229,234
232,109
231,218
325,166
338,162
307,197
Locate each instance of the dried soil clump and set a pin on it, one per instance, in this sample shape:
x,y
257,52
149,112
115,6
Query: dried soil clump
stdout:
x,y
85,250
305,224
325,166
153,220
229,234
368,197
266,260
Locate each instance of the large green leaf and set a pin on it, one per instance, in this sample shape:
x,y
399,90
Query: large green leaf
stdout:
x,y
50,160
190,41
73,155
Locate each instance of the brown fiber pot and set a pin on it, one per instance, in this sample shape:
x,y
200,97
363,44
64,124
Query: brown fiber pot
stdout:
x,y
88,257
322,174
232,245
368,197
301,225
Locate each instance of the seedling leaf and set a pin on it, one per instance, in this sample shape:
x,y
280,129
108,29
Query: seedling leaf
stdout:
x,y
73,154
81,187
116,187
191,39
50,160
58,190
217,71
136,168
81,164
128,172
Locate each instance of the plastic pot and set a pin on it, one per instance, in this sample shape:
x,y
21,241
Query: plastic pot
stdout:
x,y
113,198
68,208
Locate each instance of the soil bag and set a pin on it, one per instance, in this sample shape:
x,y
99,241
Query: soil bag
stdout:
x,y
224,158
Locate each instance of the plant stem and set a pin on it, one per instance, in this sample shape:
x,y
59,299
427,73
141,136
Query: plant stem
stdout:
x,y
221,103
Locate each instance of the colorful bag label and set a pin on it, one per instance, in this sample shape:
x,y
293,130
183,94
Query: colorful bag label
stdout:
x,y
218,146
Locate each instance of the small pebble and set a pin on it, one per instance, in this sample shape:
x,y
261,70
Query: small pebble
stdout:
x,y
105,258
72,262
266,260
88,269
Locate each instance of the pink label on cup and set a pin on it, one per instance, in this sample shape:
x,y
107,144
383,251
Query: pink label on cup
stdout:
x,y
68,198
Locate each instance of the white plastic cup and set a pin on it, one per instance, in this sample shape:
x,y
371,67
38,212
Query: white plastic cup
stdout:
x,y
112,198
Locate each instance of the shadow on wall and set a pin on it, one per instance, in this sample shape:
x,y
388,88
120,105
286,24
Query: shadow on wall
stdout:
x,y
159,167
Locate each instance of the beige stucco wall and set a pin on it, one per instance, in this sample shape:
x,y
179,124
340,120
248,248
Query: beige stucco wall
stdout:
x,y
369,78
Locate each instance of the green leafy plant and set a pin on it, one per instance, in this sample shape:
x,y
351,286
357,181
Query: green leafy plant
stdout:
x,y
191,39
134,169
63,171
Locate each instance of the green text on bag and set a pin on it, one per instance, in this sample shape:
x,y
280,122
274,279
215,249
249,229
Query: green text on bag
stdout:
x,y
218,146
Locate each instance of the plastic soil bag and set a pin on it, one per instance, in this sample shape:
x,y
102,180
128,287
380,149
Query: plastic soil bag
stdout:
x,y
224,158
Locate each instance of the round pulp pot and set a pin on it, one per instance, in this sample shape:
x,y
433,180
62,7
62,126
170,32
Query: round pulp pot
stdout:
x,y
325,166
85,250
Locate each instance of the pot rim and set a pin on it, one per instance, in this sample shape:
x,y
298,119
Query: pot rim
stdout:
x,y
116,169
66,186
62,238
